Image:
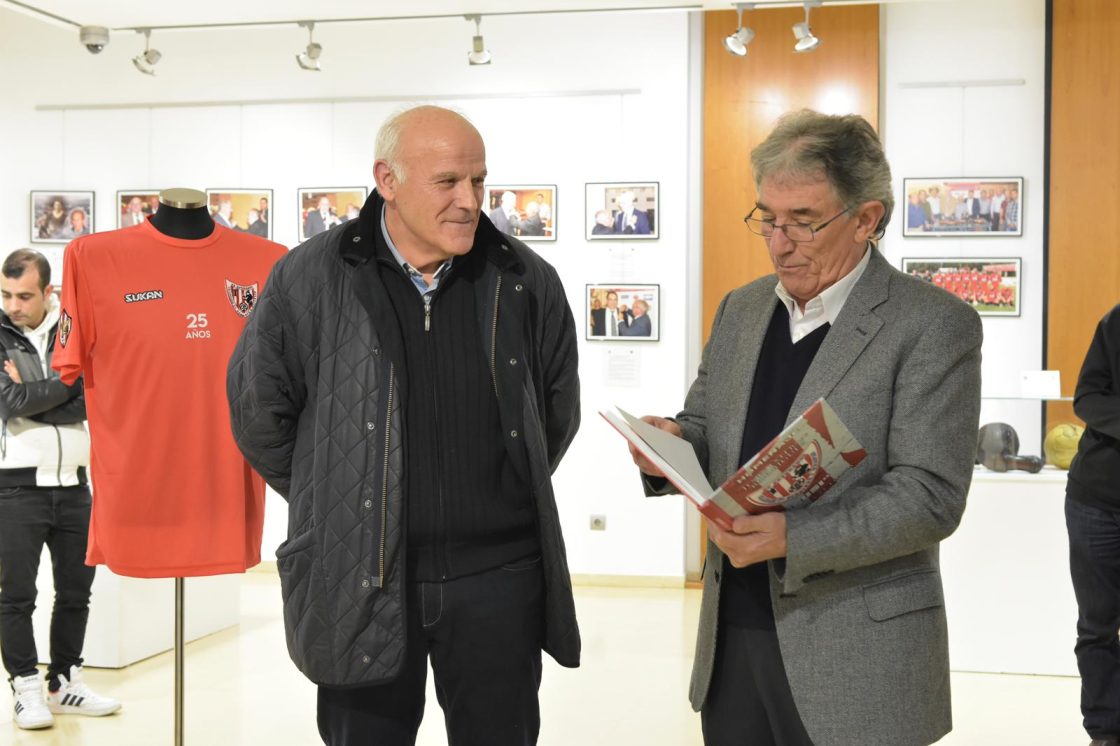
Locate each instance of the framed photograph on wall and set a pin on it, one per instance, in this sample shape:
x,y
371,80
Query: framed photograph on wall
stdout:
x,y
623,313
321,208
962,206
134,206
246,210
991,286
622,210
57,216
525,211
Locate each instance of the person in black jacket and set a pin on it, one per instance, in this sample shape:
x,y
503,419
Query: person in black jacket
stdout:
x,y
408,381
1093,521
44,500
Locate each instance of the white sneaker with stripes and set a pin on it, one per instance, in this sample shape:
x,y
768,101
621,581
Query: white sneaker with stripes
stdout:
x,y
30,710
75,698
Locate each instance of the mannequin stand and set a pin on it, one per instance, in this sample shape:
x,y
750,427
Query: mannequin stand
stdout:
x,y
179,644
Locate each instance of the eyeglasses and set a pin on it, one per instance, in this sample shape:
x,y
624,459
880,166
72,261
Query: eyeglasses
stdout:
x,y
796,232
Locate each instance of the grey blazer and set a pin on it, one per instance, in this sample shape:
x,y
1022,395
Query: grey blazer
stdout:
x,y
858,600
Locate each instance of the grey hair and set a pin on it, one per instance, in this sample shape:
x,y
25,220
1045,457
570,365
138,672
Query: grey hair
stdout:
x,y
844,147
387,145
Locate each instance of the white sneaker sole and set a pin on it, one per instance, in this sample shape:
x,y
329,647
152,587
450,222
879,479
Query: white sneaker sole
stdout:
x,y
90,711
36,725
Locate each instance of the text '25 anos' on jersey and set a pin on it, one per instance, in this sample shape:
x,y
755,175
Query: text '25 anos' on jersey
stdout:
x,y
150,321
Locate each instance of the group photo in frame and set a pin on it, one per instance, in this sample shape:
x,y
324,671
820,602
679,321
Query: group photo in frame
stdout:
x,y
134,206
321,208
525,211
245,210
621,210
963,205
991,286
623,313
59,216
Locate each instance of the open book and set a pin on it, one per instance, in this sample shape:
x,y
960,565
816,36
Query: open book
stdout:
x,y
794,469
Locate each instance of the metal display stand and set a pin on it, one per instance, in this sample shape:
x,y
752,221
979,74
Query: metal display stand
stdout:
x,y
179,644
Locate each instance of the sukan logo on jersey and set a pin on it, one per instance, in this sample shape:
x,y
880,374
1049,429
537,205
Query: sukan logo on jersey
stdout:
x,y
241,297
143,296
65,325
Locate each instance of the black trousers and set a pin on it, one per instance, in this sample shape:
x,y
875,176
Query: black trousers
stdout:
x,y
484,635
749,702
1094,563
29,518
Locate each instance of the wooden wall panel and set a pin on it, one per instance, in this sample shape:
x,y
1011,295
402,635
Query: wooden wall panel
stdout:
x,y
744,96
1084,236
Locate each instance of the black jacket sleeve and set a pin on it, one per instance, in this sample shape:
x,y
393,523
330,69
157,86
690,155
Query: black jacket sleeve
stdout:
x,y
1096,400
265,386
35,397
71,412
561,370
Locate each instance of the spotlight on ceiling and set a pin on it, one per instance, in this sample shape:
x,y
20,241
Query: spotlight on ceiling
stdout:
x,y
737,42
806,42
146,61
479,54
308,59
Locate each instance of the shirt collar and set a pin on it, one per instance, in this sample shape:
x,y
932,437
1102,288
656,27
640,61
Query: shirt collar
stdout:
x,y
831,300
414,274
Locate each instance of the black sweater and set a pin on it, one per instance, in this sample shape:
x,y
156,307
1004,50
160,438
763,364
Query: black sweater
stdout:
x,y
1094,475
782,365
467,509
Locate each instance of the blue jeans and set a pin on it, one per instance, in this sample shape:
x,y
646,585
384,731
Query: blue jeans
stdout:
x,y
29,518
1094,563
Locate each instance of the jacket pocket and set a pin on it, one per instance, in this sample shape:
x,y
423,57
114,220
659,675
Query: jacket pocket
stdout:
x,y
295,562
902,594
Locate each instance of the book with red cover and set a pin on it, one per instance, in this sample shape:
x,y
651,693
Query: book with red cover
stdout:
x,y
798,466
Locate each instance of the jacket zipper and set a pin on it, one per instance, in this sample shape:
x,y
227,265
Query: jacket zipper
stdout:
x,y
385,483
58,436
428,312
494,337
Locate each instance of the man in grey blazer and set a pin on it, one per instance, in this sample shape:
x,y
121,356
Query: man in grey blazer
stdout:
x,y
825,624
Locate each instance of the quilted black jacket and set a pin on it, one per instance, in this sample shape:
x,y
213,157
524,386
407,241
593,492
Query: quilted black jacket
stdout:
x,y
315,403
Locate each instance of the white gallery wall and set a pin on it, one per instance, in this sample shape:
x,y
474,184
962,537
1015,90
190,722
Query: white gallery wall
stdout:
x,y
963,89
569,99
615,110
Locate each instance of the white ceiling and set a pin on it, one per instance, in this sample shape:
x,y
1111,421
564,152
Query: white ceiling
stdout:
x,y
131,14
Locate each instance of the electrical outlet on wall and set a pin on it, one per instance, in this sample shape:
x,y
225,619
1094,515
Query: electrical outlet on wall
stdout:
x,y
598,523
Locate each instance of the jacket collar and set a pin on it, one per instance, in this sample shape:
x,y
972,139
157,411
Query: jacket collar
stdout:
x,y
359,237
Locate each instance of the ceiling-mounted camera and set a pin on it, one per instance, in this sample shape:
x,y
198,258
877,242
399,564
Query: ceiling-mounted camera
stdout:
x,y
95,38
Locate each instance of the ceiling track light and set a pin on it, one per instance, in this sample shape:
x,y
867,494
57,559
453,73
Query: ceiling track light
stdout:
x,y
479,54
806,42
146,61
308,59
737,42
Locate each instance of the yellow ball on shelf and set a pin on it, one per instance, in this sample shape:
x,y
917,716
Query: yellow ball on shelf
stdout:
x,y
1060,445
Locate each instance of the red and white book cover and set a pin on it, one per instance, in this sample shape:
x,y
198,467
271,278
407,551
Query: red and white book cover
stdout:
x,y
802,463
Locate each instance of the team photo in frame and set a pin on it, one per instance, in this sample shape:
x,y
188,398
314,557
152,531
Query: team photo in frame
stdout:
x,y
991,286
962,206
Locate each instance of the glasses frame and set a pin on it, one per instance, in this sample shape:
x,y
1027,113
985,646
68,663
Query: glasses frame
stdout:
x,y
813,231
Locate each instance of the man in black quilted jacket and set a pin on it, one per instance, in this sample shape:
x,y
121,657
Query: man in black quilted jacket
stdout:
x,y
408,381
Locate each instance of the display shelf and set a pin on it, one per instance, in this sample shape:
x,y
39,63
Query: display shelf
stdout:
x,y
1008,593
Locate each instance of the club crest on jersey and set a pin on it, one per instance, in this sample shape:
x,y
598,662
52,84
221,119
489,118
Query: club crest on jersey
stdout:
x,y
241,297
65,325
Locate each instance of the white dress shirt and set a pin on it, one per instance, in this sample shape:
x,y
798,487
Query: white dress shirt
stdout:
x,y
825,307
